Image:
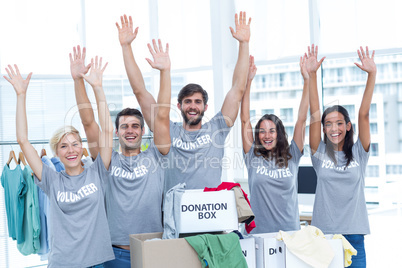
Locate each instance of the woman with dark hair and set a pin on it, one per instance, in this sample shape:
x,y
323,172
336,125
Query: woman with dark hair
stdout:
x,y
340,163
272,163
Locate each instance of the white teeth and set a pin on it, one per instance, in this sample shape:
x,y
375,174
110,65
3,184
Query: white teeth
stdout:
x,y
268,142
335,135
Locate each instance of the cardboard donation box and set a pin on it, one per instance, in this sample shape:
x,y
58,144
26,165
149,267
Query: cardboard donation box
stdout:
x,y
248,248
269,251
207,212
161,253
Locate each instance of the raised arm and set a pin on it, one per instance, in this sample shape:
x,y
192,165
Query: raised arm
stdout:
x,y
246,128
300,127
367,65
106,134
20,86
315,114
230,106
161,124
127,34
78,69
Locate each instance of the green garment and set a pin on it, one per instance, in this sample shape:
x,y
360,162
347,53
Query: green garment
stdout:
x,y
217,251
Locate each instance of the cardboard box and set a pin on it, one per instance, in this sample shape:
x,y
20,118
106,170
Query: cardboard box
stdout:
x,y
161,253
202,212
269,251
337,262
248,248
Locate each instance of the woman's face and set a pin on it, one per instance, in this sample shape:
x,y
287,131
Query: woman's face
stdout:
x,y
335,127
267,134
69,150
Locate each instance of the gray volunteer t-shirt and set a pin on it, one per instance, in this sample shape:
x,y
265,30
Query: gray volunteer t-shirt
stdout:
x,y
340,206
273,192
134,195
79,231
196,156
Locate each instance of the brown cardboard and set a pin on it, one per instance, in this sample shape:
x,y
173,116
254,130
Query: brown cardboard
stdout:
x,y
161,253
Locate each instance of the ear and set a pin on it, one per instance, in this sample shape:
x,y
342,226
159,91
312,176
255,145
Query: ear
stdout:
x,y
205,107
179,106
117,133
143,130
348,126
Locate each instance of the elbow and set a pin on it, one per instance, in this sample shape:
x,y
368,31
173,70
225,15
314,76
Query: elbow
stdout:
x,y
22,140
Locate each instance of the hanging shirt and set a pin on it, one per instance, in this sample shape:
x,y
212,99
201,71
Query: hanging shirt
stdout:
x,y
57,164
340,206
14,194
79,230
31,244
196,156
273,192
134,195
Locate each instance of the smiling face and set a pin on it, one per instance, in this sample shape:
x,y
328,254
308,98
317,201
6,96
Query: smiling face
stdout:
x,y
130,133
192,109
335,127
268,134
69,150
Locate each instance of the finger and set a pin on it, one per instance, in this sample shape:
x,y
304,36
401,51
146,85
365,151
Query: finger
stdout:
x,y
367,52
8,72
122,21
84,53
319,63
11,70
96,62
87,68
372,55
103,69
100,63
301,61
155,46
79,51
150,49
117,25
136,31
358,65
249,21
312,49
125,20
160,45
244,17
316,50
167,48
7,78
71,58
362,51
131,22
232,31
75,52
150,62
308,50
236,20
17,71
359,54
29,77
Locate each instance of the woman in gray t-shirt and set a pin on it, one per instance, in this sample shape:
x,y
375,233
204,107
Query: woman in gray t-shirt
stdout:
x,y
79,232
340,164
272,164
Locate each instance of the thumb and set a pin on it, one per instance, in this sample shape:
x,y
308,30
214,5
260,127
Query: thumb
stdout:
x,y
29,77
150,62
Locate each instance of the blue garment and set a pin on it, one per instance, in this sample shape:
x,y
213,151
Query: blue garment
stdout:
x,y
357,241
57,164
122,259
15,190
44,207
31,223
97,266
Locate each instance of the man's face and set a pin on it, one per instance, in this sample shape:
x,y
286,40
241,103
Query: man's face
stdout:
x,y
130,132
192,108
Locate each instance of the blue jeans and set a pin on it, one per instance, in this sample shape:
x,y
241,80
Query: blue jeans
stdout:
x,y
122,259
357,241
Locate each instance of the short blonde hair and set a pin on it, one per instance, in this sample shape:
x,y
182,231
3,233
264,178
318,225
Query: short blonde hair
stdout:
x,y
59,134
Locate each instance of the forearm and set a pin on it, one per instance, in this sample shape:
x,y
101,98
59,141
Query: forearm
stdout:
x,y
367,95
83,103
246,128
304,102
313,99
21,119
103,111
133,71
241,69
164,96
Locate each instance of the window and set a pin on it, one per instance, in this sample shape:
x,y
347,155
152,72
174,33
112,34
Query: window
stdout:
x,y
287,115
373,171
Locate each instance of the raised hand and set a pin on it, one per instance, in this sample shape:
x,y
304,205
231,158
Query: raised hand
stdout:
x,y
252,69
126,32
77,63
303,67
161,58
96,74
312,64
242,33
368,64
20,85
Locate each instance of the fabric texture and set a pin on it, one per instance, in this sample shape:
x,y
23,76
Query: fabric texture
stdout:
x,y
340,192
244,212
122,259
273,191
135,188
218,251
357,241
310,245
348,249
31,244
196,156
79,230
171,211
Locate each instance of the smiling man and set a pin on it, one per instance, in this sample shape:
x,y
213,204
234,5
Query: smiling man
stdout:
x,y
197,149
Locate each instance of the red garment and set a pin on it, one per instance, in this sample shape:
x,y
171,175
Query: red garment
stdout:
x,y
228,186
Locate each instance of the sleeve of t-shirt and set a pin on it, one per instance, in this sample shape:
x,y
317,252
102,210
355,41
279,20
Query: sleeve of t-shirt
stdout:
x,y
222,127
295,152
48,176
362,155
155,152
318,155
101,169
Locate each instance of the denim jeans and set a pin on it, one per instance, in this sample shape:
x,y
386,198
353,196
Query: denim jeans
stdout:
x,y
357,241
97,266
122,259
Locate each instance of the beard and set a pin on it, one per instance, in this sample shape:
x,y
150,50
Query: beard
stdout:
x,y
194,121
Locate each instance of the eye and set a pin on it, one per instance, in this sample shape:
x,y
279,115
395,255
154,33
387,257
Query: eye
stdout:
x,y
123,127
